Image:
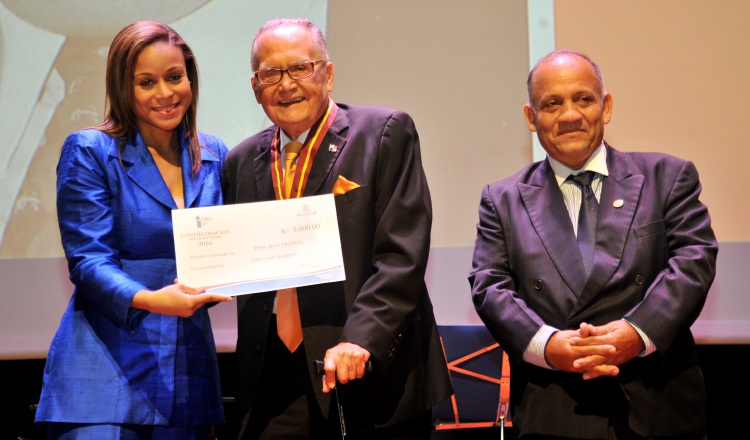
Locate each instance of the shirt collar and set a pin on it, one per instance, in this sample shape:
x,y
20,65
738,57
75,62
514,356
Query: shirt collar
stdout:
x,y
597,163
285,139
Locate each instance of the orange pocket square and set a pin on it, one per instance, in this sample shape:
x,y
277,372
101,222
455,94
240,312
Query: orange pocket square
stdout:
x,y
343,186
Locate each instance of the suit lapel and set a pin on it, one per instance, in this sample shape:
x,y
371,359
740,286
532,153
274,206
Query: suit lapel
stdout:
x,y
144,172
262,164
330,149
544,203
619,200
191,186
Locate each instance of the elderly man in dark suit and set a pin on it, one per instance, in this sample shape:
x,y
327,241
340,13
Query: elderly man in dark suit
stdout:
x,y
369,158
591,285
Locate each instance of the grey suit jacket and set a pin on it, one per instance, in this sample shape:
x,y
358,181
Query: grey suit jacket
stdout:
x,y
654,263
385,226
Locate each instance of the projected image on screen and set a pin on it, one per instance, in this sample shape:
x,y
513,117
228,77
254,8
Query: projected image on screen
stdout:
x,y
53,64
67,98
52,79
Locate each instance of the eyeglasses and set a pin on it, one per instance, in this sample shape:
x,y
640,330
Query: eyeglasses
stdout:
x,y
272,75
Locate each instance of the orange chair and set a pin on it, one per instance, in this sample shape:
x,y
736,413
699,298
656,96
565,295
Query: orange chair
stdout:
x,y
469,344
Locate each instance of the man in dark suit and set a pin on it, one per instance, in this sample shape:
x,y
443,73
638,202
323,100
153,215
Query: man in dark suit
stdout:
x,y
599,343
381,315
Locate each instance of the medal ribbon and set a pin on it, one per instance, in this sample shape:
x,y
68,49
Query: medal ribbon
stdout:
x,y
306,155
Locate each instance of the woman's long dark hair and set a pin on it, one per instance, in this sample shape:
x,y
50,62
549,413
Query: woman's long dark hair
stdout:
x,y
120,121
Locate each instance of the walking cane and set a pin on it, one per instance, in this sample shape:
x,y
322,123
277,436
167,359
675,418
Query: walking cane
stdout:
x,y
320,370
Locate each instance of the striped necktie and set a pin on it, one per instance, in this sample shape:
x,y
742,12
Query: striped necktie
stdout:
x,y
586,218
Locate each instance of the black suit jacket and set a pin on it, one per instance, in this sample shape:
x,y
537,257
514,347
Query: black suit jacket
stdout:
x,y
654,262
385,225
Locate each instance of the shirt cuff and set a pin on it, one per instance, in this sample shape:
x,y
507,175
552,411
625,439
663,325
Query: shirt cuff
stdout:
x,y
650,346
534,353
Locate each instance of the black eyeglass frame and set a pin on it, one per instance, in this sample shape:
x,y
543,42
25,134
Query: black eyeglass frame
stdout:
x,y
288,72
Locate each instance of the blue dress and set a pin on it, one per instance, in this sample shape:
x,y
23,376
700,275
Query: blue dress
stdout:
x,y
109,363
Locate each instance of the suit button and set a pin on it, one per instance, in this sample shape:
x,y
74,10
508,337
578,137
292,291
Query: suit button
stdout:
x,y
259,348
266,307
639,280
538,284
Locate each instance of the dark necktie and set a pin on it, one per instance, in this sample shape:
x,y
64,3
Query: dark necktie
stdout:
x,y
586,218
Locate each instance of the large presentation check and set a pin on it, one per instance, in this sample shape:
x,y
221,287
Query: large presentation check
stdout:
x,y
257,247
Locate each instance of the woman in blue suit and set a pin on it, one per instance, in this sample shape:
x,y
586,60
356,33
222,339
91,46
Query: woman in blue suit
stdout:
x,y
134,356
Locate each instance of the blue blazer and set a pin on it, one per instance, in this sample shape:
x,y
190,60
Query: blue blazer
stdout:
x,y
109,363
654,262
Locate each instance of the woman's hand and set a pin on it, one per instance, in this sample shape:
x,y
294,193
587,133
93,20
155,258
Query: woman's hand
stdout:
x,y
176,300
